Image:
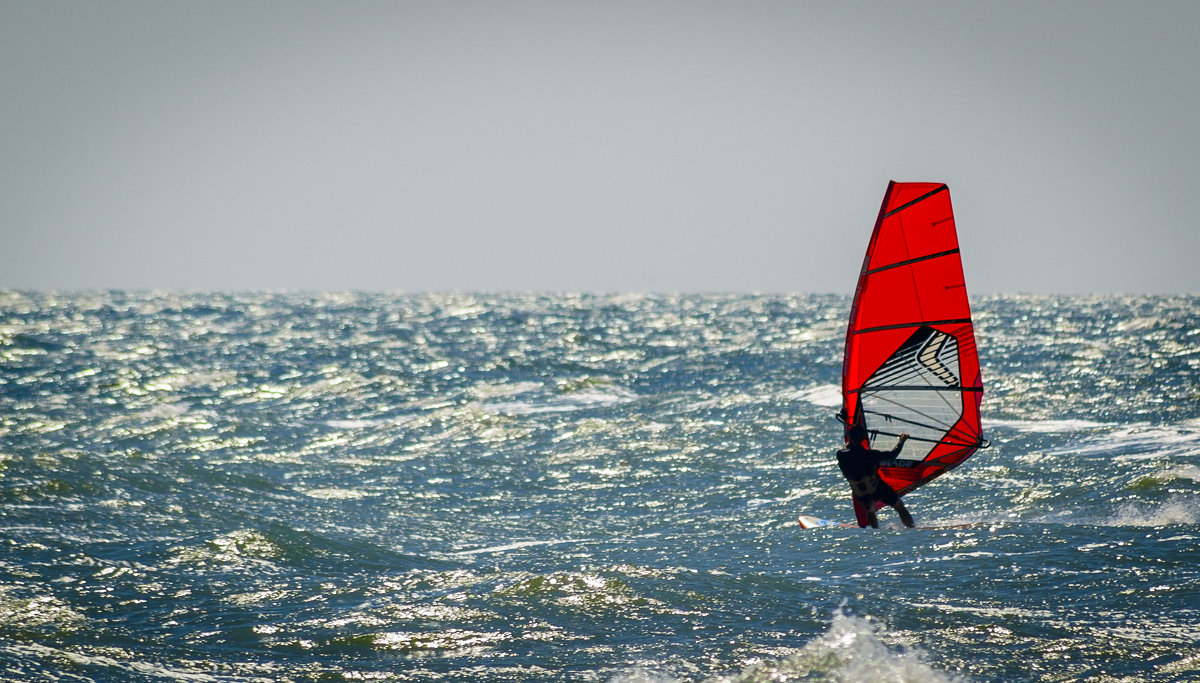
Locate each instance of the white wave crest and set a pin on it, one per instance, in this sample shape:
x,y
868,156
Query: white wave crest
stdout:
x,y
566,403
852,650
824,395
515,546
1177,510
1140,442
1046,426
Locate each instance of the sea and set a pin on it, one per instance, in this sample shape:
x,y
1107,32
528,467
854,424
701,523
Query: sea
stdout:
x,y
578,487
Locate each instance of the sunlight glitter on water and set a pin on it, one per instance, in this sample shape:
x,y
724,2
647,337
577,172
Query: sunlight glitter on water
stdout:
x,y
576,487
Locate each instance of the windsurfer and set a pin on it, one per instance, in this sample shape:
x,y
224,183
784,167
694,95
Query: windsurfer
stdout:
x,y
860,465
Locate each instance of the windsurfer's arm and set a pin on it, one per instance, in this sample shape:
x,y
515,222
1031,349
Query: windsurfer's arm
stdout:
x,y
899,445
883,456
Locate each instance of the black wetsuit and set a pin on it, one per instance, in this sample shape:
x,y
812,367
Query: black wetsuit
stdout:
x,y
860,466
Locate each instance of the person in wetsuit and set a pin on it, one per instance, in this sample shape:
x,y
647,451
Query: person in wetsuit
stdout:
x,y
860,466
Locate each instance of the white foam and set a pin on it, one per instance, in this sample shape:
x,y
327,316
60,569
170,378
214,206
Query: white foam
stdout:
x,y
1177,510
1180,472
852,650
514,546
485,390
1047,426
352,424
824,395
580,400
1140,442
1167,475
43,653
641,675
333,493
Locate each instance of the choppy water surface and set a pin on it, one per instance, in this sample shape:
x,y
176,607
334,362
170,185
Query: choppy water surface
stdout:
x,y
522,487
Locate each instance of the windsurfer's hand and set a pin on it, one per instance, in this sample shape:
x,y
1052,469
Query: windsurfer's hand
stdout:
x,y
904,437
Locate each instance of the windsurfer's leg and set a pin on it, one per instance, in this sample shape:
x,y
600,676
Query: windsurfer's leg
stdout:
x,y
904,514
860,514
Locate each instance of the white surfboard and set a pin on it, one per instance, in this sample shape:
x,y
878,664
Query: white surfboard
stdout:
x,y
809,522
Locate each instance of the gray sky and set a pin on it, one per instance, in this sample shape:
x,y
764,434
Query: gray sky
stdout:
x,y
592,146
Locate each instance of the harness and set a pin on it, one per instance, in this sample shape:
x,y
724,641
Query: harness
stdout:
x,y
864,487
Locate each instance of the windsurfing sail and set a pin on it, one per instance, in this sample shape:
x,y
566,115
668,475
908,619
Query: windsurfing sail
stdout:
x,y
911,364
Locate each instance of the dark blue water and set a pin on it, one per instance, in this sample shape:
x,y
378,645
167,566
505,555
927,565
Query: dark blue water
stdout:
x,y
290,487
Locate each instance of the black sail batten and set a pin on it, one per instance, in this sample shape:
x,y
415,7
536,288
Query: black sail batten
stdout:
x,y
916,201
918,323
915,387
963,444
891,419
911,261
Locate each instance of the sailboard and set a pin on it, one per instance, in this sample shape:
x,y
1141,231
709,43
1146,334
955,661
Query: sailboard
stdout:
x,y
810,522
911,364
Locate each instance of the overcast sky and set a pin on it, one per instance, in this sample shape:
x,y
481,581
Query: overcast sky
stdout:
x,y
592,146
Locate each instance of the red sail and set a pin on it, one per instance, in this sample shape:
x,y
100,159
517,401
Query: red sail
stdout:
x,y
911,364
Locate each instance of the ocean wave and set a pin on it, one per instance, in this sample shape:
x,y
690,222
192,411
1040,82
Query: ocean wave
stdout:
x,y
1064,426
824,395
563,403
1138,441
516,545
1178,510
853,649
